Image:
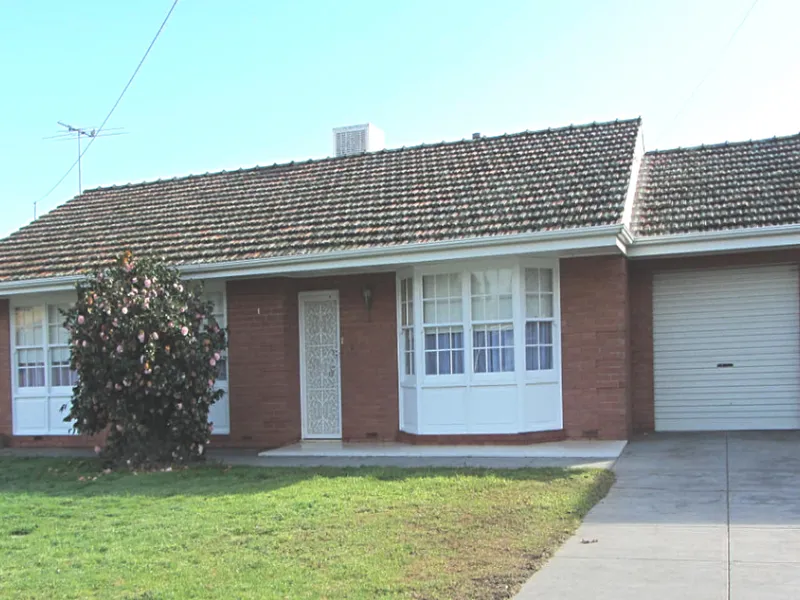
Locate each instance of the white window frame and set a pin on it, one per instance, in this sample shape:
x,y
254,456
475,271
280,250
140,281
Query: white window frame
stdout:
x,y
219,289
47,393
519,319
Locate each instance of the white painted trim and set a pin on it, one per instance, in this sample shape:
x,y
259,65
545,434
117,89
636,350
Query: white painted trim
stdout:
x,y
633,181
733,240
583,239
301,298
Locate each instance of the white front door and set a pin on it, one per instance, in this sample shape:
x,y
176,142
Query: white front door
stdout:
x,y
320,382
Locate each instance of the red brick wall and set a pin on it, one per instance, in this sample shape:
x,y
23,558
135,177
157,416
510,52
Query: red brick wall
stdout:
x,y
641,297
595,347
368,354
641,292
263,325
261,366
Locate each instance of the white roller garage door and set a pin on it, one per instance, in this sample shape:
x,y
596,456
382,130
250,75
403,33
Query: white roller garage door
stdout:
x,y
727,349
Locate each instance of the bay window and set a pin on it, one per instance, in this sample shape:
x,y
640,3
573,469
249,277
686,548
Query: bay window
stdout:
x,y
482,338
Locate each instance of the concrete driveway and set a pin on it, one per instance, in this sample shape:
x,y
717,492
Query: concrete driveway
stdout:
x,y
692,516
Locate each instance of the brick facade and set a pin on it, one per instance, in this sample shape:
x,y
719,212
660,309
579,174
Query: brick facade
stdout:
x,y
606,327
263,324
641,293
595,347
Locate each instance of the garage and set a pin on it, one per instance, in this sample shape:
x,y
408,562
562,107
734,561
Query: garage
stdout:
x,y
726,349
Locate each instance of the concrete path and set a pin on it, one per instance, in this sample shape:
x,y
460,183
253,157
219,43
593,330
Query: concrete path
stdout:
x,y
692,516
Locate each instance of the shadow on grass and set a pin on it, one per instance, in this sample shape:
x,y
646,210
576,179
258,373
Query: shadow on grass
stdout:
x,y
85,477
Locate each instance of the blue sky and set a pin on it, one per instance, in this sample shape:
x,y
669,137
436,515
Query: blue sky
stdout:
x,y
235,84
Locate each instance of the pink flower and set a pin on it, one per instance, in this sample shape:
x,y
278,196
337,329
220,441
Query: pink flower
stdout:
x,y
179,406
141,337
124,310
210,383
212,362
97,449
184,330
147,283
154,336
84,344
117,387
120,349
216,355
119,427
171,324
81,320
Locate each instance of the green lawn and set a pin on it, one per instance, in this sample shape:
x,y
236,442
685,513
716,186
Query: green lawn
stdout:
x,y
214,532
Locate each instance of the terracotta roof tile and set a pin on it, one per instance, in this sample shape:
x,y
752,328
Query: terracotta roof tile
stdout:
x,y
532,181
726,186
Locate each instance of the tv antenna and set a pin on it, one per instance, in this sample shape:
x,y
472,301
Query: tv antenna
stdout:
x,y
70,132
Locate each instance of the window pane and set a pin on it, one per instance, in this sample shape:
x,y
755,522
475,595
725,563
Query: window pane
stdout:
x,y
505,310
545,357
477,285
454,287
493,348
430,363
531,334
444,351
532,281
546,280
29,325
429,311
455,311
30,368
545,333
531,359
428,286
478,309
532,306
547,305
504,281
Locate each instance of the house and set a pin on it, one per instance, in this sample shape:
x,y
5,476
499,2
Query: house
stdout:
x,y
537,286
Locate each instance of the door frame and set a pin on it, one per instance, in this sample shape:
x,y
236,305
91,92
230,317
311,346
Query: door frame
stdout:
x,y
302,297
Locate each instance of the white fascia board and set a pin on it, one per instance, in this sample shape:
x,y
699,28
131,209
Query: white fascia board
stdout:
x,y
734,240
39,286
589,239
585,239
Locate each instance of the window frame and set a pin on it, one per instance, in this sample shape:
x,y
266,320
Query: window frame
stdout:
x,y
520,375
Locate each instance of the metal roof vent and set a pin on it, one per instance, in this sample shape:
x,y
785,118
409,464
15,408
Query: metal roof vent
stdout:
x,y
357,139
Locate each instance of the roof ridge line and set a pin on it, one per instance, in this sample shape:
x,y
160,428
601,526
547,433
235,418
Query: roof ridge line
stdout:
x,y
725,144
301,162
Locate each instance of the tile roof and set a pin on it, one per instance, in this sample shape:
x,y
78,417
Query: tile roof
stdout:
x,y
533,181
726,186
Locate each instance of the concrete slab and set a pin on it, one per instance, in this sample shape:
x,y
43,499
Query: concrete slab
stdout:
x,y
599,449
768,507
765,544
625,506
566,578
408,462
686,511
670,476
764,581
652,542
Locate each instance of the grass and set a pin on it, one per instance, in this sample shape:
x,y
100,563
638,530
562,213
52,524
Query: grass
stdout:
x,y
215,532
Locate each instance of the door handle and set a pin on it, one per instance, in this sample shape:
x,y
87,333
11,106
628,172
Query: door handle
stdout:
x,y
724,365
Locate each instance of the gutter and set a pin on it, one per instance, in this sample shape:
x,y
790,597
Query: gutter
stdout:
x,y
583,240
732,240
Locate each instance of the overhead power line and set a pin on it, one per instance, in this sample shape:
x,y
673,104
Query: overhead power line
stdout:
x,y
713,66
113,108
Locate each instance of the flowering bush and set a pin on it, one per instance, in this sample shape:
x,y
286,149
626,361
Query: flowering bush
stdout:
x,y
146,349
